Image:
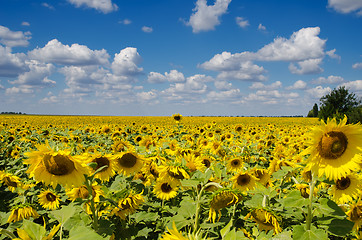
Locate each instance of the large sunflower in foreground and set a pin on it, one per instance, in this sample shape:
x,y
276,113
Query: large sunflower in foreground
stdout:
x,y
55,167
335,149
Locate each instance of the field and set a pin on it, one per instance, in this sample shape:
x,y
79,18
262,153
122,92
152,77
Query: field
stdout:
x,y
92,177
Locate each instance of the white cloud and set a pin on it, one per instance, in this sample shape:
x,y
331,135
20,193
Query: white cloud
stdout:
x,y
206,17
346,6
105,6
37,76
55,52
332,54
329,80
14,39
232,94
271,96
259,85
261,27
25,24
353,85
44,4
247,71
310,66
147,29
155,77
242,22
146,96
125,62
175,76
223,85
357,65
125,21
11,64
318,91
50,99
298,85
22,89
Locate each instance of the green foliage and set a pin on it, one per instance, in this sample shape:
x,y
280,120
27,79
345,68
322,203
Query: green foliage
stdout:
x,y
338,103
314,111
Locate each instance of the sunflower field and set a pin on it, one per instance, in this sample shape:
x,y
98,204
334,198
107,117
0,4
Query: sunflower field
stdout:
x,y
92,177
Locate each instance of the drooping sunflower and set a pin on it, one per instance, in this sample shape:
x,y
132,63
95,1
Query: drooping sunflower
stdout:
x,y
128,162
175,173
222,199
265,219
346,188
49,199
20,212
10,180
55,167
244,181
334,149
128,205
165,189
355,215
104,161
83,192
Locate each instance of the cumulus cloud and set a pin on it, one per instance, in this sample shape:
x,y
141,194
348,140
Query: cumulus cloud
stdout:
x,y
227,95
261,27
206,17
346,6
56,52
147,96
125,62
259,85
332,54
175,76
17,90
223,85
247,71
155,77
353,85
357,65
328,80
105,6
242,22
318,91
37,76
11,64
271,96
14,39
310,66
147,29
298,85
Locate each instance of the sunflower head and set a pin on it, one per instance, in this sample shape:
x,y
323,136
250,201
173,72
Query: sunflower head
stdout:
x,y
165,189
128,162
49,199
177,117
244,181
355,215
24,211
222,199
265,219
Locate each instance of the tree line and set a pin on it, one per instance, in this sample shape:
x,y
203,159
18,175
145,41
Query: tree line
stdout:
x,y
336,104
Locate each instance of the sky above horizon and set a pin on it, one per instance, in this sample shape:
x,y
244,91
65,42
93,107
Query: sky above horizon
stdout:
x,y
157,58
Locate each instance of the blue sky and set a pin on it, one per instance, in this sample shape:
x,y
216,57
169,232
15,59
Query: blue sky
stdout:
x,y
156,58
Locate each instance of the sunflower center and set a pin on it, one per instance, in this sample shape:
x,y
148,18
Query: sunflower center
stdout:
x,y
243,179
58,165
177,118
235,163
356,213
206,162
176,174
128,160
50,197
10,182
166,188
101,161
343,183
332,145
261,216
83,192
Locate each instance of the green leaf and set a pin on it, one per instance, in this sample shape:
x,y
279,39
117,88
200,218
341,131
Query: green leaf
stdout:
x,y
83,233
187,208
336,226
65,213
294,200
300,233
230,235
255,202
329,208
190,183
80,219
34,230
226,229
145,216
287,235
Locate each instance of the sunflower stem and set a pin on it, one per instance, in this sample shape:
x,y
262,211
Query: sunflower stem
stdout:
x,y
310,205
92,204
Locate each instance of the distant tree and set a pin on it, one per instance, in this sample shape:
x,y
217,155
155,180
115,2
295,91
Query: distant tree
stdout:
x,y
338,103
313,112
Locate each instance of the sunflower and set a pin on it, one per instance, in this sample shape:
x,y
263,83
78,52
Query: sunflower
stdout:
x,y
10,180
49,199
266,220
222,199
177,117
24,211
165,189
234,164
173,172
83,193
335,149
128,205
128,162
120,146
173,234
149,171
262,175
244,181
346,188
355,215
104,161
194,163
55,167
